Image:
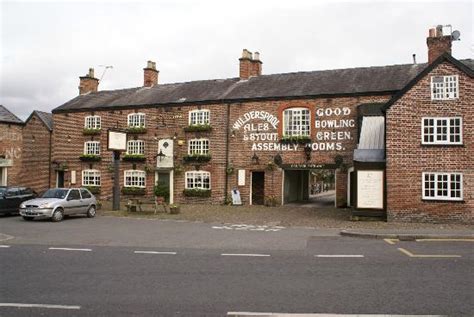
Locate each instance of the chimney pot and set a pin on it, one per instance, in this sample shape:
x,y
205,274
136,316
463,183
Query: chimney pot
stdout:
x,y
432,32
150,75
88,83
438,44
256,56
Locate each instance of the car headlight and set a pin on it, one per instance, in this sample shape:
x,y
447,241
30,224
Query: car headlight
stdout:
x,y
45,205
22,206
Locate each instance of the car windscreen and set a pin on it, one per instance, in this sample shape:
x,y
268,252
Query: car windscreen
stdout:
x,y
55,193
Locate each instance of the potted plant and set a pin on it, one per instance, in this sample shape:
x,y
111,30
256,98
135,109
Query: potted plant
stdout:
x,y
174,209
162,193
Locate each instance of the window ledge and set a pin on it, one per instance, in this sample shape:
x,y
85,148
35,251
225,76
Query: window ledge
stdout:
x,y
442,145
438,200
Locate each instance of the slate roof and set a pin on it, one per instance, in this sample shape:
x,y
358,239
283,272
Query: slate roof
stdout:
x,y
351,81
46,117
7,117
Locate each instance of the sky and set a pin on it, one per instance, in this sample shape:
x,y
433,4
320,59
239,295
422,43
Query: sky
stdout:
x,y
47,45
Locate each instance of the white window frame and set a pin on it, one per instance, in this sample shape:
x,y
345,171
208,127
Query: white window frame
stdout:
x,y
446,88
92,148
136,147
437,136
136,120
296,130
134,178
92,176
436,186
201,117
199,146
197,177
92,122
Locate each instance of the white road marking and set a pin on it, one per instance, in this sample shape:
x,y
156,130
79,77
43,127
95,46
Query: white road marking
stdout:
x,y
4,246
5,237
411,255
20,305
244,227
245,254
154,252
339,256
236,314
71,249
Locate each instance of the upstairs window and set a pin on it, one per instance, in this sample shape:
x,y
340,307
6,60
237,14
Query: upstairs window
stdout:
x,y
444,87
296,122
90,178
92,148
199,117
198,147
136,120
92,122
442,130
136,147
198,180
134,178
442,186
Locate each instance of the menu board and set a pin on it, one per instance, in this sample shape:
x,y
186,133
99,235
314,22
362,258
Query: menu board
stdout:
x,y
370,189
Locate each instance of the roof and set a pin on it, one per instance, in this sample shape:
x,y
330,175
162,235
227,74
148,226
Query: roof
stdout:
x,y
467,66
7,117
45,117
364,155
372,133
341,82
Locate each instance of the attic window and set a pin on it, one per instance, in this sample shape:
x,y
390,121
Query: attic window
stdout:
x,y
444,87
199,117
92,122
136,120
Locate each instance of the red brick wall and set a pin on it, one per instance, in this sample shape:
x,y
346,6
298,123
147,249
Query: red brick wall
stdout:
x,y
36,151
407,158
10,147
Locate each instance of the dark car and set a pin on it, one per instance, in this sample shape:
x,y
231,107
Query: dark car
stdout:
x,y
11,197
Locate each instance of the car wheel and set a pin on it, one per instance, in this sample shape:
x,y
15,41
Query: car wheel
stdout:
x,y
91,212
27,218
58,215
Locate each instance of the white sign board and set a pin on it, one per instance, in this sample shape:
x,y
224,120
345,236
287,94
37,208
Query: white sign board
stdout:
x,y
241,178
165,156
116,141
73,177
370,189
236,197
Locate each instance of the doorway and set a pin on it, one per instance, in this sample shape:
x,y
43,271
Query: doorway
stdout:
x,y
60,179
164,179
296,186
258,188
310,188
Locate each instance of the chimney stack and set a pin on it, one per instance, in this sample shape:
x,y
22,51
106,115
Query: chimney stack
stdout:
x,y
438,44
250,65
150,75
88,83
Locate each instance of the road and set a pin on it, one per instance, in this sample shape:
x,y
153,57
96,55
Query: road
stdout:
x,y
110,267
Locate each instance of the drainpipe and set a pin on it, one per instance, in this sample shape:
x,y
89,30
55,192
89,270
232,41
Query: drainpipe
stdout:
x,y
226,184
50,155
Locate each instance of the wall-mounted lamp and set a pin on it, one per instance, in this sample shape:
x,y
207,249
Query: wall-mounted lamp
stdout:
x,y
161,155
255,159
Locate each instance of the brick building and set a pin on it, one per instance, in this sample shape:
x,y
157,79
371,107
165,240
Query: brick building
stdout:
x,y
265,134
25,150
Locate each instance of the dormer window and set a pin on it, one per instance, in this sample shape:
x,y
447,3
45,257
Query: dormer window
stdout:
x,y
444,87
92,122
199,117
136,120
296,122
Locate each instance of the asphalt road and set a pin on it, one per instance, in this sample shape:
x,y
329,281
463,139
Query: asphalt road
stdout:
x,y
312,272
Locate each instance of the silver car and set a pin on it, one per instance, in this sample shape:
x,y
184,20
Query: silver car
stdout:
x,y
56,203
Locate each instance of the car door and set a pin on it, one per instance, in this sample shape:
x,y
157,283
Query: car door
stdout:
x,y
73,202
86,200
12,197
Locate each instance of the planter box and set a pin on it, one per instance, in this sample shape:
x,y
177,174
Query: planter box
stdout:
x,y
134,158
296,140
136,130
90,158
196,158
91,131
133,191
197,192
198,128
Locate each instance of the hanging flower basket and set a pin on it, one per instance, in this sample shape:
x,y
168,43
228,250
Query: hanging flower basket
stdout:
x,y
198,128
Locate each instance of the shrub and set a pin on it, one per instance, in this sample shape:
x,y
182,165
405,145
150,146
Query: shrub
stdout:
x,y
91,131
134,158
198,128
197,158
93,189
196,192
136,130
133,191
89,158
162,190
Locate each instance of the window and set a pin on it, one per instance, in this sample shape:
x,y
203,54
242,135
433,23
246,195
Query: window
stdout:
x,y
296,122
136,120
442,130
85,194
136,147
92,148
92,122
90,178
74,195
134,178
198,180
199,117
198,147
442,186
444,87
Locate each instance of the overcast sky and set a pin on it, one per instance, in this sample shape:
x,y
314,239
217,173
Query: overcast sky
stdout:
x,y
46,46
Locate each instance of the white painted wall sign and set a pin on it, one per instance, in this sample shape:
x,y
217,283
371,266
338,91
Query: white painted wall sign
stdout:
x,y
370,189
241,178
